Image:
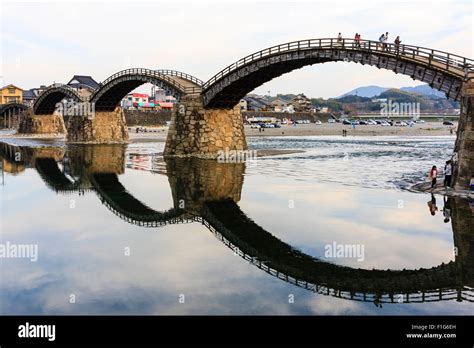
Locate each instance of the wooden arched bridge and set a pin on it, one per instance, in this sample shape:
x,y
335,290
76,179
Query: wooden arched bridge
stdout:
x,y
208,119
10,114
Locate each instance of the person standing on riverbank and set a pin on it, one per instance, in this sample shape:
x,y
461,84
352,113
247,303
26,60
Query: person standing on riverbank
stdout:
x,y
448,172
433,175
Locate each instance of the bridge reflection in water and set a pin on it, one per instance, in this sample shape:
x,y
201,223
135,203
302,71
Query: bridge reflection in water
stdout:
x,y
207,192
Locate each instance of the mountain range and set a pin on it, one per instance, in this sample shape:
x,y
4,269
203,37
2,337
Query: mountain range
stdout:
x,y
373,91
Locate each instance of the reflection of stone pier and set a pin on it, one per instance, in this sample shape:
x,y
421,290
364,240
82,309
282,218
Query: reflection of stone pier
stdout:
x,y
463,232
194,181
95,159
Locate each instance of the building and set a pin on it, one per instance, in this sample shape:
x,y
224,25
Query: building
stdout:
x,y
29,97
281,105
136,100
164,105
81,81
243,105
11,94
84,85
254,103
159,95
302,103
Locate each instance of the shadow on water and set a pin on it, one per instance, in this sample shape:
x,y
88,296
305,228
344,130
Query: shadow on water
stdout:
x,y
208,193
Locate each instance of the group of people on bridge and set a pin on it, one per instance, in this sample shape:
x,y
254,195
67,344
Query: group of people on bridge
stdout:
x,y
382,40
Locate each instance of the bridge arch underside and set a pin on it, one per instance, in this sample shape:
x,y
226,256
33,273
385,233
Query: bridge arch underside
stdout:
x,y
13,108
108,97
53,177
46,102
123,204
283,261
227,91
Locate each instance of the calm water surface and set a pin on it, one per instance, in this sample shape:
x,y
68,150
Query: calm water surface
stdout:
x,y
122,231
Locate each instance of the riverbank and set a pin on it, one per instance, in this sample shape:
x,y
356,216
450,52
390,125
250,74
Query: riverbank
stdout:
x,y
425,187
424,129
159,133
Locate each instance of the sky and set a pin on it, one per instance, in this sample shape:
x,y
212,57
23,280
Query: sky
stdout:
x,y
46,42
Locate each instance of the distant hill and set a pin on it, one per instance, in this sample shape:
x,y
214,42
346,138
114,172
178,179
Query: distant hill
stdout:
x,y
424,90
373,91
367,91
401,96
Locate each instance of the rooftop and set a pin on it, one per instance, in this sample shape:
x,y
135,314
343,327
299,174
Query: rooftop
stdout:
x,y
82,80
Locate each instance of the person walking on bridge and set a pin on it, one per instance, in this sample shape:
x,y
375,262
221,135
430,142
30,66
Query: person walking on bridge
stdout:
x,y
381,41
397,43
357,40
339,38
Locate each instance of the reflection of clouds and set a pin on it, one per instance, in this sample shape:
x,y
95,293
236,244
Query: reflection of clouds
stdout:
x,y
351,216
81,252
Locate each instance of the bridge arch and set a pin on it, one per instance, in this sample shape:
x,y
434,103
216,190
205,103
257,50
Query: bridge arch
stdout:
x,y
15,108
111,91
46,102
441,70
247,239
183,76
123,204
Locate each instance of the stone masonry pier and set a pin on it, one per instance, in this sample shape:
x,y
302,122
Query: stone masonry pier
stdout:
x,y
465,140
41,124
105,127
199,132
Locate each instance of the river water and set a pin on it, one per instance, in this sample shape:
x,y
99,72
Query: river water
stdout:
x,y
330,230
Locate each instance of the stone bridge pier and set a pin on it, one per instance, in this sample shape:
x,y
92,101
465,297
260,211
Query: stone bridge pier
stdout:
x,y
203,133
104,127
41,124
194,181
465,139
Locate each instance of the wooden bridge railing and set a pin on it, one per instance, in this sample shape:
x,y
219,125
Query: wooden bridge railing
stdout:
x,y
425,55
181,75
151,73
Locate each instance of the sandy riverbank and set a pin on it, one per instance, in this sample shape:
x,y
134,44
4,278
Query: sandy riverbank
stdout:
x,y
158,134
425,129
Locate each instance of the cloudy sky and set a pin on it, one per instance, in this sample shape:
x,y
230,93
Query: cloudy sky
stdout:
x,y
46,42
